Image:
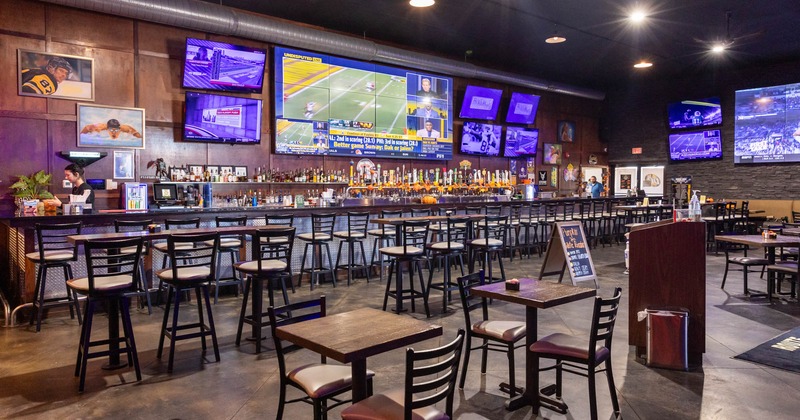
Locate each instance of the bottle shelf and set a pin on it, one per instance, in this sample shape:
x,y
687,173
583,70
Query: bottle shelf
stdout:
x,y
255,183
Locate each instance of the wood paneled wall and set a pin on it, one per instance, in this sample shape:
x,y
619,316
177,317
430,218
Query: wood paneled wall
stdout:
x,y
139,64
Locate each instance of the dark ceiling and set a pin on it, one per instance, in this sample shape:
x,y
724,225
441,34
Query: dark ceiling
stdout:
x,y
601,47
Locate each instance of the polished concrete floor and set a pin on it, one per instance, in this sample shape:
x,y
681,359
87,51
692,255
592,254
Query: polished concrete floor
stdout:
x,y
36,370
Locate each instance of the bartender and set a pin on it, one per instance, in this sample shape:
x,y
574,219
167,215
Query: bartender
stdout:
x,y
74,174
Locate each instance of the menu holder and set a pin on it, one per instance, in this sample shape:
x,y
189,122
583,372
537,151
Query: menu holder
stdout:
x,y
568,250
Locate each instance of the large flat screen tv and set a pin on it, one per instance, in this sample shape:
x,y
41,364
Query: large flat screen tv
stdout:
x,y
480,139
222,119
521,142
694,113
522,109
694,145
337,106
219,66
480,103
767,125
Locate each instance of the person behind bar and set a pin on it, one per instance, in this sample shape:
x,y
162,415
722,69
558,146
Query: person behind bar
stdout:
x,y
597,187
74,174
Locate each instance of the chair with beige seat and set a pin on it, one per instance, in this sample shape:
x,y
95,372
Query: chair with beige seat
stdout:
x,y
279,242
230,245
321,235
268,264
112,274
53,251
495,335
412,252
452,248
356,233
321,382
142,288
193,271
582,355
430,378
490,245
184,250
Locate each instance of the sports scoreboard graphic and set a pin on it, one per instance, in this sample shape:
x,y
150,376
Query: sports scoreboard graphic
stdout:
x,y
336,106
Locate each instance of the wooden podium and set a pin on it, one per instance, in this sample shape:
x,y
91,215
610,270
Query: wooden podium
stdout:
x,y
667,264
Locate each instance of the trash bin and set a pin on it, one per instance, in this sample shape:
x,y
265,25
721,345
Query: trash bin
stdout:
x,y
667,331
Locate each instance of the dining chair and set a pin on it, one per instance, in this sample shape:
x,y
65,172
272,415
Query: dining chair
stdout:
x,y
746,263
53,251
267,264
496,335
430,377
188,272
112,274
582,355
320,382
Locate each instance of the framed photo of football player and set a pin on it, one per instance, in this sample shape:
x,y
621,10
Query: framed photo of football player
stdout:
x,y
58,76
110,126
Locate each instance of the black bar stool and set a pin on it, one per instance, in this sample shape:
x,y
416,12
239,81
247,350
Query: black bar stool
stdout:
x,y
412,251
229,244
185,249
453,247
112,276
268,263
384,236
143,283
283,220
356,232
53,252
495,235
189,272
321,235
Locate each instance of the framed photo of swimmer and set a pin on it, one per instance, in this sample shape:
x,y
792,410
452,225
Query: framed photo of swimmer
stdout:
x,y
110,126
58,76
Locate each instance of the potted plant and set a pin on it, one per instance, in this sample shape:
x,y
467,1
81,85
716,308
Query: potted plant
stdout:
x,y
28,190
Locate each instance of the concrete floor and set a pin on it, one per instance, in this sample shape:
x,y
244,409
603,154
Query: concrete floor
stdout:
x,y
36,370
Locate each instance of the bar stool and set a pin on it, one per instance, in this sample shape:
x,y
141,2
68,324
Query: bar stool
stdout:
x,y
267,263
384,236
453,247
356,232
514,228
550,217
321,235
112,276
530,221
53,252
185,249
495,231
284,220
229,244
143,283
189,272
411,251
438,228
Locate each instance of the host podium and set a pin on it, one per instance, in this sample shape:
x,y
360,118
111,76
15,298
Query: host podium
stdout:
x,y
668,269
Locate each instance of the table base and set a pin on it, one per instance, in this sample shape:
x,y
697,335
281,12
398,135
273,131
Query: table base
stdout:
x,y
115,366
545,401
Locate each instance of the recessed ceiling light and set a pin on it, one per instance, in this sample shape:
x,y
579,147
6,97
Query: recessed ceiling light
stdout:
x,y
421,3
637,16
555,39
718,48
643,64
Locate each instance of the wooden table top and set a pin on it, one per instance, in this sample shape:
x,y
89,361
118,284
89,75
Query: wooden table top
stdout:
x,y
165,233
400,220
758,240
358,334
535,293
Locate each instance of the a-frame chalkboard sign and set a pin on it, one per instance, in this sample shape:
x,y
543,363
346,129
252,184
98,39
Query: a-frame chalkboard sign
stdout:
x,y
568,249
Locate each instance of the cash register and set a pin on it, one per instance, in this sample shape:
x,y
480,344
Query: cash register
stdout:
x,y
165,196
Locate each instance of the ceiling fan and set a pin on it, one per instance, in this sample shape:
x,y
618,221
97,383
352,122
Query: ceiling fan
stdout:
x,y
729,40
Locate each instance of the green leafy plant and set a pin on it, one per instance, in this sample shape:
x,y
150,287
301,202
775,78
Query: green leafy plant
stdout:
x,y
34,186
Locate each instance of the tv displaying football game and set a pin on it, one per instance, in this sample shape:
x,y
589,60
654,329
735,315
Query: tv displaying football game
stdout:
x,y
767,128
219,66
480,139
694,145
521,142
522,109
222,119
480,103
328,105
695,113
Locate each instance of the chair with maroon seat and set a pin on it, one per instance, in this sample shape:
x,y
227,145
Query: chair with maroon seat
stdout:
x,y
583,355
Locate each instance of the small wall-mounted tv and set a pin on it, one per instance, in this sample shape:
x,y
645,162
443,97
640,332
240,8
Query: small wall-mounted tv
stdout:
x,y
694,145
521,142
694,113
222,119
219,66
480,103
480,139
522,109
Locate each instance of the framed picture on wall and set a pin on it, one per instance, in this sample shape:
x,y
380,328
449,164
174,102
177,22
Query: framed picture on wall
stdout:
x,y
123,164
196,170
566,131
240,171
59,76
110,126
552,154
212,169
554,177
542,178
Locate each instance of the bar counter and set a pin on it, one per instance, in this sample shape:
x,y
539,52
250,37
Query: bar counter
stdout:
x,y
17,230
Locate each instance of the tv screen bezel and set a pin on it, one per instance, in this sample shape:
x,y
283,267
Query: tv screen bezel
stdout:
x,y
505,142
711,99
227,140
229,89
683,133
495,106
532,115
482,123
